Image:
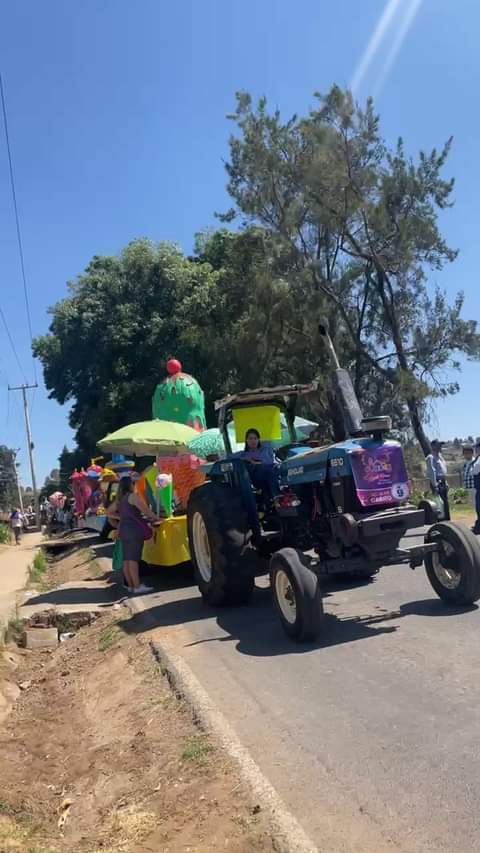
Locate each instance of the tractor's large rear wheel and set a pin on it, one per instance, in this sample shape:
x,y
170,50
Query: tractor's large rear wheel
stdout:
x,y
223,557
297,595
454,570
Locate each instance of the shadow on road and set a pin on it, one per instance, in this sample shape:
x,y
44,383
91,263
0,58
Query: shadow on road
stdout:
x,y
173,577
255,628
102,549
434,607
76,595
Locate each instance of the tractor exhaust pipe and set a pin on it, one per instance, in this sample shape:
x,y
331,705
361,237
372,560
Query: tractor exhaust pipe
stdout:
x,y
352,413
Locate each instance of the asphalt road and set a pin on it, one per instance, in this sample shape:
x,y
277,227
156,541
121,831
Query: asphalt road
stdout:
x,y
372,735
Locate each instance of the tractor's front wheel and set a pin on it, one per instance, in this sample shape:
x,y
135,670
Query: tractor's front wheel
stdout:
x,y
223,558
454,569
297,594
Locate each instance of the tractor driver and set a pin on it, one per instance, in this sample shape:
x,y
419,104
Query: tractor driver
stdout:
x,y
261,464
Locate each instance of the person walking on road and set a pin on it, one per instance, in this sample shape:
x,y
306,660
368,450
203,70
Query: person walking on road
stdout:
x,y
437,474
476,483
467,472
16,523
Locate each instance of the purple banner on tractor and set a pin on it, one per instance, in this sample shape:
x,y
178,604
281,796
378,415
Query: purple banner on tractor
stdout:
x,y
380,475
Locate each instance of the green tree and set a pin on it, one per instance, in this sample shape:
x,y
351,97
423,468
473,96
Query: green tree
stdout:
x,y
8,479
255,341
332,223
51,484
69,461
108,339
360,224
269,332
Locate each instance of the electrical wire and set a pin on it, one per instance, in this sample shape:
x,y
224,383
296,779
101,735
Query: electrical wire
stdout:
x,y
14,349
17,222
7,407
32,404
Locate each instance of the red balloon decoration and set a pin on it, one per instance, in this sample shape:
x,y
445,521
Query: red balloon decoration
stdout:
x,y
173,366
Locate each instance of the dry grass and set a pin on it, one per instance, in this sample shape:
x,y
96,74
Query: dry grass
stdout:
x,y
127,827
110,635
17,838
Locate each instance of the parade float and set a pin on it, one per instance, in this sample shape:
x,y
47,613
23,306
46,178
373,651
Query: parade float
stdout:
x,y
178,411
88,489
180,399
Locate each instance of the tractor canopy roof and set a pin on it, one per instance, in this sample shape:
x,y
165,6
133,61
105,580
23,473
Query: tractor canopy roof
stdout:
x,y
255,408
283,396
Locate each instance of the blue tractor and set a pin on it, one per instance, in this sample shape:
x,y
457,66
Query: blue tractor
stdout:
x,y
340,509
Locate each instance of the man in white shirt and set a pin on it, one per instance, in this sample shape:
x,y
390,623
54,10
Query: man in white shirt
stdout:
x,y
467,472
476,482
437,474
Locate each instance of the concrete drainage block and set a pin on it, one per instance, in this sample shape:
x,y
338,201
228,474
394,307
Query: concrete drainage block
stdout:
x,y
40,638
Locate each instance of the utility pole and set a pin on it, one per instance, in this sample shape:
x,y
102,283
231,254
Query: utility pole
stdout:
x,y
17,479
24,389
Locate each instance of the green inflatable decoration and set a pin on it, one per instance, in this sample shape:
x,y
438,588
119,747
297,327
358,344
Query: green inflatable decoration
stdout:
x,y
179,398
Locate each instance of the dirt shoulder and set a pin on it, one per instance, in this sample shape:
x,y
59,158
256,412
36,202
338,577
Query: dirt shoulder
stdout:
x,y
77,564
98,756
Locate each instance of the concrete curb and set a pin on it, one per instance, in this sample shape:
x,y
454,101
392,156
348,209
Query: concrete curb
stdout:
x,y
289,837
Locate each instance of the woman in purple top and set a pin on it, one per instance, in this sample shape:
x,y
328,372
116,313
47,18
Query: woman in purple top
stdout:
x,y
128,509
261,464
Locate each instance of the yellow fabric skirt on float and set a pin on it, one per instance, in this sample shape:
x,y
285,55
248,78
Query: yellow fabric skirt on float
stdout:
x,y
169,543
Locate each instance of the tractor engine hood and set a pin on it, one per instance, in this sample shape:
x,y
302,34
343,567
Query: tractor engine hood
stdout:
x,y
377,466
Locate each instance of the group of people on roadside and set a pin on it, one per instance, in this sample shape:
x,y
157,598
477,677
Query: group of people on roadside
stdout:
x,y
437,474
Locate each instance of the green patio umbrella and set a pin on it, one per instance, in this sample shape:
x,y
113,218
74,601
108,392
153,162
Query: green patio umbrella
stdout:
x,y
149,438
210,442
207,443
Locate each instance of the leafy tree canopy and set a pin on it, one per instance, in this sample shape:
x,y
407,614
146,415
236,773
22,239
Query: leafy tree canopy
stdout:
x,y
361,222
332,222
107,339
8,479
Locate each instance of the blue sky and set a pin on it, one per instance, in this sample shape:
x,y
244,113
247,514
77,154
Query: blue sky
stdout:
x,y
118,130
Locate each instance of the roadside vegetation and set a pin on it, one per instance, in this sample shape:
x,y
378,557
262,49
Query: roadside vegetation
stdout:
x,y
37,569
13,630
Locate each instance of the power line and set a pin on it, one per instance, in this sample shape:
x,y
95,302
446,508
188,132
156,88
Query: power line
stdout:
x,y
14,349
17,222
32,404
